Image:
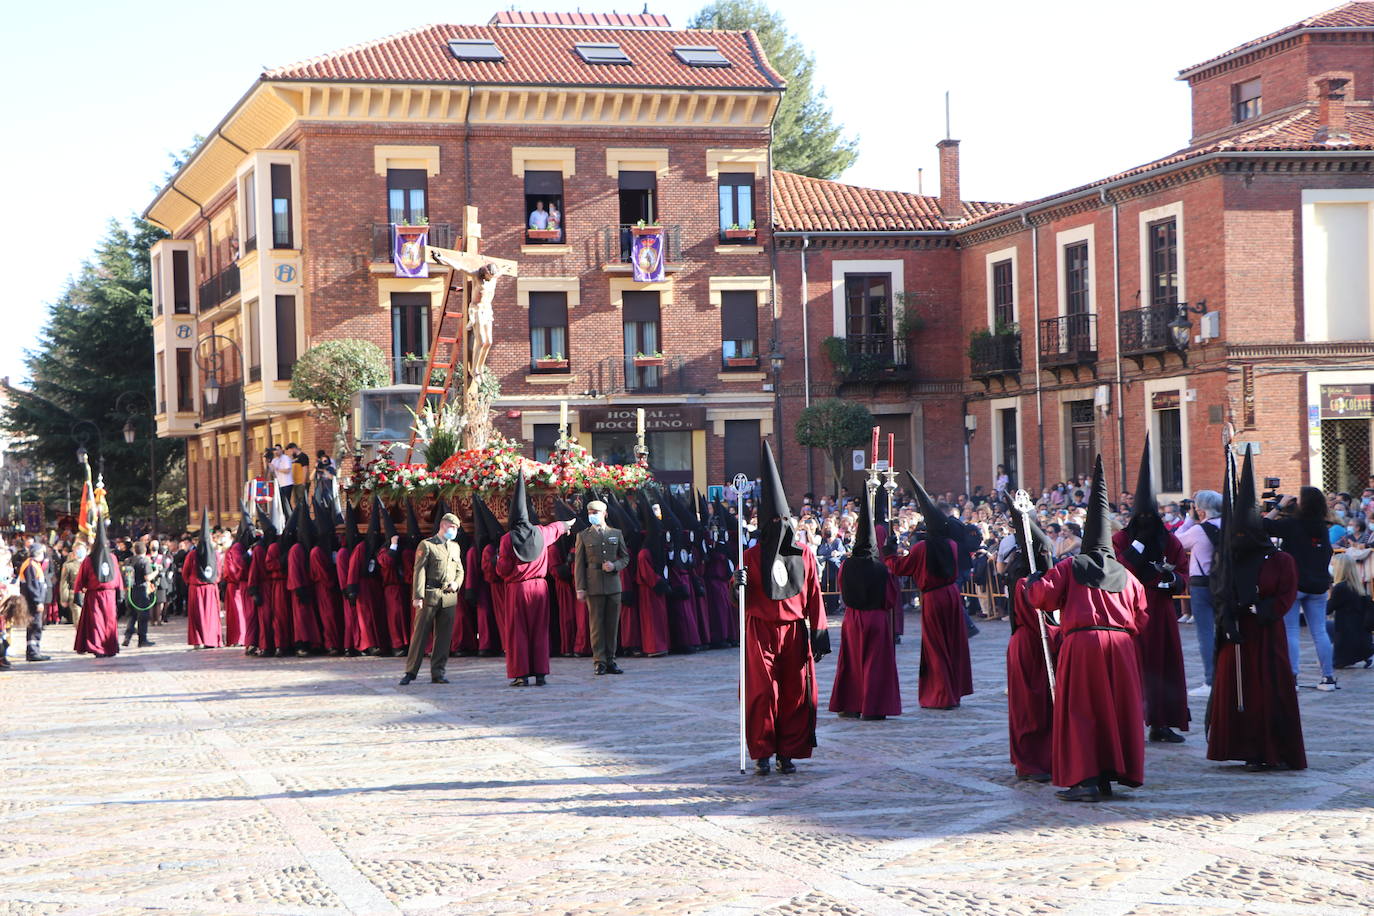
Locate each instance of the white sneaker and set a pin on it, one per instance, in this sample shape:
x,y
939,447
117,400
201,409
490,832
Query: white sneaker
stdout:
x,y
1202,690
1327,684
1186,618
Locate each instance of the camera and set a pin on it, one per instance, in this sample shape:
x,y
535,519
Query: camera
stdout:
x,y
1271,494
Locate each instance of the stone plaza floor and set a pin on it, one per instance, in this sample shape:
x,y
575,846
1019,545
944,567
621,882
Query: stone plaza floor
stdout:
x,y
172,781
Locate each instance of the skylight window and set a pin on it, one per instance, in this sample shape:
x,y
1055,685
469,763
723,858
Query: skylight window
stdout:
x,y
475,49
607,52
701,56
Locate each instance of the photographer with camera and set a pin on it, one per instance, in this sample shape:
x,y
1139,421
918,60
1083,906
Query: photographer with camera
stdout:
x,y
1302,526
1199,534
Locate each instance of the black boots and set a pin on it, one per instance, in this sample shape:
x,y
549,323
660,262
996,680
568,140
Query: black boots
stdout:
x,y
1165,735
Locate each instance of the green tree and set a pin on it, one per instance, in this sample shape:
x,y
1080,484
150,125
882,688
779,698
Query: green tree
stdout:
x,y
834,426
96,344
329,374
806,139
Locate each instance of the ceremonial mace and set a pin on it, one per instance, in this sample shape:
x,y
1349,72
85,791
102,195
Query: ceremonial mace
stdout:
x,y
1023,504
741,482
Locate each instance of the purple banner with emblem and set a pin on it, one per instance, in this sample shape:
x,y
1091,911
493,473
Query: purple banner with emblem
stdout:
x,y
408,250
646,253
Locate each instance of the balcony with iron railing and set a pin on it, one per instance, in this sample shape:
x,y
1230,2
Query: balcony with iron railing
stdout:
x,y
991,355
1145,330
441,235
871,358
220,288
1069,340
227,402
617,243
648,375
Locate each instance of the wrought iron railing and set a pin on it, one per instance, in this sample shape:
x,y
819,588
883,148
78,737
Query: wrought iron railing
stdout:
x,y
1068,340
995,354
226,404
617,242
222,286
621,374
441,235
1146,329
870,357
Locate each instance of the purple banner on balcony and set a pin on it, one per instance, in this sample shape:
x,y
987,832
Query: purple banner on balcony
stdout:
x,y
646,254
408,250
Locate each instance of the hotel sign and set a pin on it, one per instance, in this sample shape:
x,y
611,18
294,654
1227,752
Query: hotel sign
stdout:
x,y
1347,402
624,419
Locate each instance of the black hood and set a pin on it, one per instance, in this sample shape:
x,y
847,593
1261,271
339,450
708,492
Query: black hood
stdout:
x,y
681,554
863,575
102,561
207,561
269,530
1145,525
305,530
491,527
526,540
245,536
288,534
413,533
615,514
940,561
373,541
1242,549
1096,565
1040,546
388,528
562,512
324,528
780,557
654,539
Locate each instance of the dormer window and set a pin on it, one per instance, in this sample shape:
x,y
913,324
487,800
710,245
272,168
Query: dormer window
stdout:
x,y
601,52
1245,99
475,49
701,56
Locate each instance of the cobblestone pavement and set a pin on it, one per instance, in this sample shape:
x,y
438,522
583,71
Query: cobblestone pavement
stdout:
x,y
206,782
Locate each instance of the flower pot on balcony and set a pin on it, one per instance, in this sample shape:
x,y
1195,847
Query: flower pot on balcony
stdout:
x,y
741,234
742,362
646,230
543,235
546,364
645,362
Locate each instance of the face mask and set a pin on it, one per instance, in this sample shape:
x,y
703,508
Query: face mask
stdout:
x,y
81,554
596,518
450,533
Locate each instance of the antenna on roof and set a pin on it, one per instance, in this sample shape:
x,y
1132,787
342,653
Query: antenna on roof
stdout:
x,y
920,182
948,134
646,10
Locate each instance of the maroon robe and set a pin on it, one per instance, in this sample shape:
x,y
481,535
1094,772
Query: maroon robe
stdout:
x,y
305,618
629,608
654,638
866,665
395,597
487,633
945,673
683,622
500,594
263,604
369,603
780,676
328,599
202,605
527,596
238,607
1161,650
1098,705
97,629
1269,730
1030,711
282,636
706,623
720,597
573,638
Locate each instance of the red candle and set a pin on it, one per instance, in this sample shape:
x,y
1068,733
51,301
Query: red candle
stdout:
x,y
874,453
890,438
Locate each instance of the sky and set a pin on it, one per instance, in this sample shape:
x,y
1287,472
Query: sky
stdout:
x,y
1044,96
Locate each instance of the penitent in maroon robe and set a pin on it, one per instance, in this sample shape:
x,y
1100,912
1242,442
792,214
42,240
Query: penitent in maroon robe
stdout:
x,y
1269,729
946,673
488,633
238,607
1030,711
395,597
500,594
629,610
1161,650
866,665
654,638
780,676
260,591
279,599
683,622
328,599
368,601
527,596
720,598
305,619
1098,705
202,605
97,629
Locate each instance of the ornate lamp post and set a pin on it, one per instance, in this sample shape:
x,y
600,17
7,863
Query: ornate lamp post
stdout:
x,y
210,360
137,404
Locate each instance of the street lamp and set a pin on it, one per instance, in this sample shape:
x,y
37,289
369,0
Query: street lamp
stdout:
x,y
1181,328
210,360
137,404
81,434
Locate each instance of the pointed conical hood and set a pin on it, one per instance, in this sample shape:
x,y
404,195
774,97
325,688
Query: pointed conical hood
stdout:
x,y
655,536
245,534
102,561
863,576
269,530
1096,565
491,526
413,533
207,561
388,528
351,536
305,529
1040,546
288,535
942,562
324,528
703,511
526,540
440,510
373,539
1145,525
562,512
780,557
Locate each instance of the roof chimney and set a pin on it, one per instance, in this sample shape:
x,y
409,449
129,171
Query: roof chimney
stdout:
x,y
1331,128
951,204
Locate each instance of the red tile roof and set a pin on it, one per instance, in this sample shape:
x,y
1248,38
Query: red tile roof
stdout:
x,y
543,55
802,204
590,20
1357,15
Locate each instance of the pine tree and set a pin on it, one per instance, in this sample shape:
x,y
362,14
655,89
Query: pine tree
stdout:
x,y
97,343
806,140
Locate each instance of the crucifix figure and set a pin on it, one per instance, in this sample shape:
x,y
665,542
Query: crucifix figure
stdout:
x,y
480,321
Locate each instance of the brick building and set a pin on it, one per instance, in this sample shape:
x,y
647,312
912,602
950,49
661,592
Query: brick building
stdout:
x,y
1226,287
281,226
